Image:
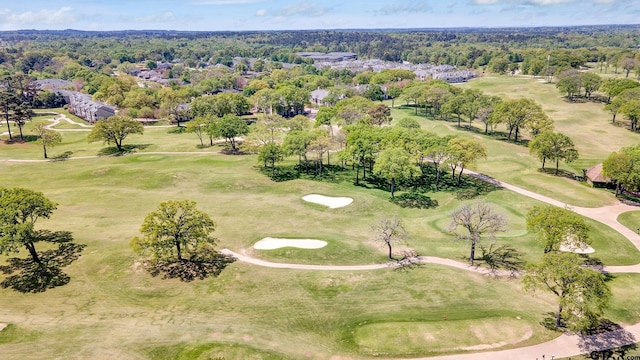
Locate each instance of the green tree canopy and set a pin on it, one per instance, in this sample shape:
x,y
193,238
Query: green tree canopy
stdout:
x,y
20,208
230,127
558,227
114,129
582,292
395,164
553,146
176,230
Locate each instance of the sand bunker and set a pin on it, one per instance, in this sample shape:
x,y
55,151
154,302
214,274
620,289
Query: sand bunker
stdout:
x,y
2,326
270,243
577,250
331,202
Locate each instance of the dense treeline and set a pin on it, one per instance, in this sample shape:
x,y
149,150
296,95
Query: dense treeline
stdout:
x,y
37,50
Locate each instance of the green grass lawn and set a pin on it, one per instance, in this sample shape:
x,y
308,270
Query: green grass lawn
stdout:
x,y
112,308
585,122
630,219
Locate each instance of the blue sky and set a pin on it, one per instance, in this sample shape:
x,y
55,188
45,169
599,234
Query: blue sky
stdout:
x,y
304,14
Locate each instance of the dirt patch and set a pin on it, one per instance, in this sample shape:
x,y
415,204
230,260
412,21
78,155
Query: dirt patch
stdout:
x,y
247,337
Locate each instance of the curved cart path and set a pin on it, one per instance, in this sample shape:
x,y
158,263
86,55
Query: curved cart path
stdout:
x,y
563,346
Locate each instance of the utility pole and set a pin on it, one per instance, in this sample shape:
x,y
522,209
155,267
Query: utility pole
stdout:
x,y
547,71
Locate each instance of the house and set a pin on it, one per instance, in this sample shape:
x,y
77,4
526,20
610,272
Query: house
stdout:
x,y
317,96
595,178
83,106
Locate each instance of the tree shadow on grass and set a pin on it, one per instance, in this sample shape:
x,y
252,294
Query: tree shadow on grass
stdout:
x,y
607,340
61,157
414,200
28,276
196,267
561,173
126,149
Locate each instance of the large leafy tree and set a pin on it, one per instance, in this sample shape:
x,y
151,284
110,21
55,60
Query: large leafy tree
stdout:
x,y
556,227
230,127
464,152
114,129
270,153
569,82
472,222
175,231
395,164
582,293
624,168
553,146
590,82
19,210
517,114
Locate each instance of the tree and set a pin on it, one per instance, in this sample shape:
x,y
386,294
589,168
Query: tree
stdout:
x,y
297,142
394,91
465,152
628,64
395,164
437,150
624,168
570,82
389,232
198,126
230,127
590,82
517,114
476,220
175,230
631,110
380,114
556,227
373,93
46,137
114,129
270,153
621,100
553,146
19,210
582,292
613,87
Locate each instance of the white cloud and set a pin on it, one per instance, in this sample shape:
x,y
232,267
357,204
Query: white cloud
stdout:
x,y
44,16
547,2
224,2
155,18
485,2
303,8
403,8
261,12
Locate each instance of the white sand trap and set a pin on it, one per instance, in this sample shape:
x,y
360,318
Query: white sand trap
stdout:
x,y
270,243
576,249
331,202
2,326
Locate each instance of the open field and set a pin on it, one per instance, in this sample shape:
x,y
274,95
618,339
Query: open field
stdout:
x,y
113,309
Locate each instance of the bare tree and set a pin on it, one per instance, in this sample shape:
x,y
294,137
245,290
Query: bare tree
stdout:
x,y
390,232
476,221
